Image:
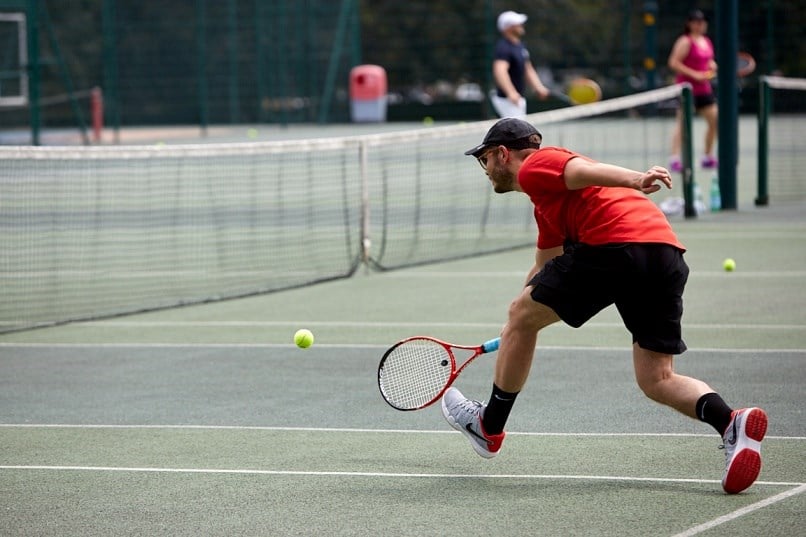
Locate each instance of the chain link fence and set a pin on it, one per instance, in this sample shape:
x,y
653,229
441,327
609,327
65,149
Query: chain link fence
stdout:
x,y
252,61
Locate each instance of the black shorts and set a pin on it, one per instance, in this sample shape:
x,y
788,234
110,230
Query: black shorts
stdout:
x,y
701,101
644,281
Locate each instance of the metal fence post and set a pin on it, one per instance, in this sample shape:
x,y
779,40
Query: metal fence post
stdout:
x,y
764,107
686,152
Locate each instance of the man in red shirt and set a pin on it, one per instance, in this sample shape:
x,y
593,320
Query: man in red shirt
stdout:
x,y
601,241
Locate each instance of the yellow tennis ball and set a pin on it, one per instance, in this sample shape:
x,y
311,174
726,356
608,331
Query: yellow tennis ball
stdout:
x,y
428,120
729,265
303,338
252,133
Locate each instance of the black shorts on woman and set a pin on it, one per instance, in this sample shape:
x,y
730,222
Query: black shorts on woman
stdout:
x,y
701,101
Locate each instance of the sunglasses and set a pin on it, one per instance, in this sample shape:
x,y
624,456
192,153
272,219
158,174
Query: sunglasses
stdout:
x,y
483,158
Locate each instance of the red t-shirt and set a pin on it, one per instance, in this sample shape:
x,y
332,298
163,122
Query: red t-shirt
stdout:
x,y
593,215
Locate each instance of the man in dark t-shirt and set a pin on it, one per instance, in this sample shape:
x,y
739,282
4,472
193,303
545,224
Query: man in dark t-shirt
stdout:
x,y
513,69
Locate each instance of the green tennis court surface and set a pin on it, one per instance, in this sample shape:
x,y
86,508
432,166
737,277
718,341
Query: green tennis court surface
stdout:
x,y
206,420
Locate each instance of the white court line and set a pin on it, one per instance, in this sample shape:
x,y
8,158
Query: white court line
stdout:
x,y
356,430
519,274
743,511
397,324
324,473
766,274
153,345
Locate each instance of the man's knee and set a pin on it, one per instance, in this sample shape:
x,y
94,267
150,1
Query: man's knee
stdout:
x,y
526,313
652,370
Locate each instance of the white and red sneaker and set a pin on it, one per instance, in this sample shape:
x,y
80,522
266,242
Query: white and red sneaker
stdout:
x,y
464,415
742,444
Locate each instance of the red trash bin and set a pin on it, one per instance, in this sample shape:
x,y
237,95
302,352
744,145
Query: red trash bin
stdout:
x,y
368,90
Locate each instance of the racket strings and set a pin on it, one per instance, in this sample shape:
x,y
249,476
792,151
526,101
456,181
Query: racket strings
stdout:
x,y
414,373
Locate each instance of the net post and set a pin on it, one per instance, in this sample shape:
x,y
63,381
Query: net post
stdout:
x,y
687,154
764,106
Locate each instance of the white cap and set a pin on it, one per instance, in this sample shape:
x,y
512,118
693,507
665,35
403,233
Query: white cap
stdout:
x,y
510,18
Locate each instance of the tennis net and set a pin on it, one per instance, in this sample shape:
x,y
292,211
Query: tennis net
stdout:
x,y
97,232
428,202
101,231
781,158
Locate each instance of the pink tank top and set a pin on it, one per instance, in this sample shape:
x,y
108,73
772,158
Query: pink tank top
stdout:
x,y
699,56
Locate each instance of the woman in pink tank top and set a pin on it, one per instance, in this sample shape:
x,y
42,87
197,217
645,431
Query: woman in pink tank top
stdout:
x,y
692,60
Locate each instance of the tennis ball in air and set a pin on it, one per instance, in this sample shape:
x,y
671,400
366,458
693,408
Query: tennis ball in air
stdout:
x,y
303,338
729,265
428,120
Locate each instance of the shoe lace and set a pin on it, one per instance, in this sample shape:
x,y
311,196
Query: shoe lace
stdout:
x,y
727,449
470,405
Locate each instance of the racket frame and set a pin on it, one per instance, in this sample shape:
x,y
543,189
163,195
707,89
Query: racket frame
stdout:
x,y
585,83
476,350
745,64
591,86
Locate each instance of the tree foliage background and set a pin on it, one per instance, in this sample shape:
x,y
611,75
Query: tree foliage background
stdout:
x,y
277,60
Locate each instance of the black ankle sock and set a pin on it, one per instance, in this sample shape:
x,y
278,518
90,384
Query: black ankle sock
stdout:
x,y
497,411
713,410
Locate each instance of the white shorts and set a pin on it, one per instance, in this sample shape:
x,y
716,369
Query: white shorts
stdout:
x,y
506,108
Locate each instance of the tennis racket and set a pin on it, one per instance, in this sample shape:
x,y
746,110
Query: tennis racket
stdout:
x,y
560,96
416,371
745,64
580,91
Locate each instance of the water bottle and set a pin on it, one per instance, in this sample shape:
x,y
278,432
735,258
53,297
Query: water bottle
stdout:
x,y
699,203
715,198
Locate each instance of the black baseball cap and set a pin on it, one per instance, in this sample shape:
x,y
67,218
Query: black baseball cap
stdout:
x,y
510,132
696,15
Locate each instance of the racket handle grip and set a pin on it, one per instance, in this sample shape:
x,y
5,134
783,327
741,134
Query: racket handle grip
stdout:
x,y
561,97
491,345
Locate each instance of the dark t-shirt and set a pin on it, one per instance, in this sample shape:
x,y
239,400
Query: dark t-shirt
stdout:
x,y
517,56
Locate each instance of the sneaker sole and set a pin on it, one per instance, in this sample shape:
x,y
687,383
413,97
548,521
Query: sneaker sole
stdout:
x,y
746,463
452,422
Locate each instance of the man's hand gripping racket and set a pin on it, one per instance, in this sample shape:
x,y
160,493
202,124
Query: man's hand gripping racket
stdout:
x,y
415,372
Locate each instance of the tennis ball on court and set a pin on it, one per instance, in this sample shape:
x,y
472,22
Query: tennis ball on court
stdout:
x,y
428,120
252,133
729,265
303,338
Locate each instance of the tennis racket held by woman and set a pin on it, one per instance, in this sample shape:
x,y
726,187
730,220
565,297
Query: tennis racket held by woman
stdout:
x,y
416,371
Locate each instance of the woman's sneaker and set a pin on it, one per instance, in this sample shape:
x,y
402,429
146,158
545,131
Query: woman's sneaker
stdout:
x,y
709,163
675,164
464,415
742,444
